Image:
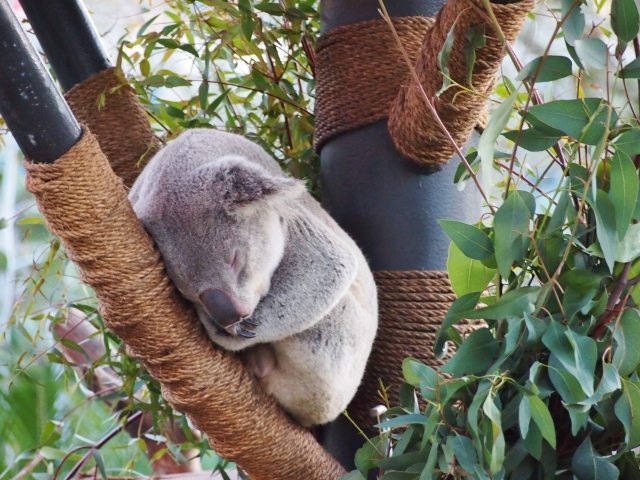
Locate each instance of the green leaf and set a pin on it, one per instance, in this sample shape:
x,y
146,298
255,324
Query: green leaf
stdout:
x,y
631,70
367,456
248,26
581,280
586,356
535,139
465,452
475,39
535,329
624,19
629,142
403,420
567,385
609,383
592,51
623,191
145,25
524,416
605,226
510,222
498,444
626,335
458,310
557,342
587,464
245,6
443,59
51,453
74,346
474,355
627,409
467,275
486,144
553,67
573,116
415,372
174,81
542,418
472,241
629,468
511,304
573,21
97,456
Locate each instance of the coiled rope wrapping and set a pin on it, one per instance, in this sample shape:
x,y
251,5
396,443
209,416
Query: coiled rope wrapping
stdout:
x,y
86,205
411,306
359,71
111,109
412,126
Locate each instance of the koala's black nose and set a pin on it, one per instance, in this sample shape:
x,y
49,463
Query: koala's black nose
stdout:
x,y
224,310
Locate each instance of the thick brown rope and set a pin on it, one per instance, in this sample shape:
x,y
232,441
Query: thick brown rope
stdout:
x,y
359,71
86,205
411,307
110,108
411,124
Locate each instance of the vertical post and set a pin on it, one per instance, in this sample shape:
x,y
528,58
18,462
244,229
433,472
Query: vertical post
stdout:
x,y
387,204
68,38
30,103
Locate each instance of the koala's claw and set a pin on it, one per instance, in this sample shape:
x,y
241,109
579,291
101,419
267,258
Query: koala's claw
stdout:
x,y
250,321
246,334
221,331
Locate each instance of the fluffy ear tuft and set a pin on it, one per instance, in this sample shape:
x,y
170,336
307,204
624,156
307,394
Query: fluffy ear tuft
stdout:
x,y
239,183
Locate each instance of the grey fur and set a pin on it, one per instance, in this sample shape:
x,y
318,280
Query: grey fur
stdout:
x,y
226,217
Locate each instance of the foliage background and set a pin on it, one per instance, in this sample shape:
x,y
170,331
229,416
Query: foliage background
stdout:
x,y
244,66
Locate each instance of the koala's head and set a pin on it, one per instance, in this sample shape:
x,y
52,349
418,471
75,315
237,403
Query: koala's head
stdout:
x,y
222,231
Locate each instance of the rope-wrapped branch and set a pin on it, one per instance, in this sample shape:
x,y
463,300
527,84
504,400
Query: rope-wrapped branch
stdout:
x,y
359,71
414,130
412,304
86,205
111,109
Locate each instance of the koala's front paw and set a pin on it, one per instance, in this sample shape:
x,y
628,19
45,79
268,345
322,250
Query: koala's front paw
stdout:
x,y
261,359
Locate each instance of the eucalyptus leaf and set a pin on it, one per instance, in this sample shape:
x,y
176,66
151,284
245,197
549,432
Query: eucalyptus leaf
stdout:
x,y
572,117
472,241
626,335
474,355
629,142
624,19
486,144
542,418
592,51
549,68
459,309
467,275
465,452
510,222
627,409
497,435
534,139
632,69
623,191
573,21
588,464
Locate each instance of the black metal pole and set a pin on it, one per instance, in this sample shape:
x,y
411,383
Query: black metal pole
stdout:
x,y
68,38
387,204
30,103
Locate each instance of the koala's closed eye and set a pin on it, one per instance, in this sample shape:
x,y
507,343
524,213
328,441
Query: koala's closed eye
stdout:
x,y
268,270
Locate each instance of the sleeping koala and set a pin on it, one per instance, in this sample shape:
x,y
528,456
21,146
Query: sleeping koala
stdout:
x,y
270,273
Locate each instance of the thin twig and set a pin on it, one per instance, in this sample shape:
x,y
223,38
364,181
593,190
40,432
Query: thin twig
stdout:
x,y
103,441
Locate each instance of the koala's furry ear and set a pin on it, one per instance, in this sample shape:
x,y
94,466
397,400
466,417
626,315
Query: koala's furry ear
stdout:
x,y
240,184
